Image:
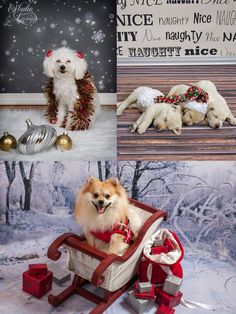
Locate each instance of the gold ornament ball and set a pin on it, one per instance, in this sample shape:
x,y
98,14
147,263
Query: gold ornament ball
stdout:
x,y
7,142
64,142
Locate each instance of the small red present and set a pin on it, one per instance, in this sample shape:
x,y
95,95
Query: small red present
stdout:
x,y
149,295
37,285
163,309
159,250
38,269
167,299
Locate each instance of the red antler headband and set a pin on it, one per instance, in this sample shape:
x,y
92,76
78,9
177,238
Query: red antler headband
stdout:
x,y
79,54
49,53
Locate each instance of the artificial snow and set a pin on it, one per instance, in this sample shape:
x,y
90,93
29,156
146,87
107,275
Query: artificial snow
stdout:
x,y
96,143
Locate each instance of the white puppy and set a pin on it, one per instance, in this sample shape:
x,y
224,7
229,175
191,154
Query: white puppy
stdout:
x,y
163,116
66,67
218,110
141,98
190,116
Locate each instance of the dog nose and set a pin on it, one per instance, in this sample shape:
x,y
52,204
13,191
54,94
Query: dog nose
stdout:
x,y
100,202
217,126
62,67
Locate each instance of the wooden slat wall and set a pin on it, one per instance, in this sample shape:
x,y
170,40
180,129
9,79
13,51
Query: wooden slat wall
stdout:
x,y
197,142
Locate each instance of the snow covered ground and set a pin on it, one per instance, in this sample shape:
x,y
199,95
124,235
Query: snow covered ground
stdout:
x,y
206,280
97,143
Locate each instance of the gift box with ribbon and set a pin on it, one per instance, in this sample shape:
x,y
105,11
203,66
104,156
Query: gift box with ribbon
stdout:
x,y
37,280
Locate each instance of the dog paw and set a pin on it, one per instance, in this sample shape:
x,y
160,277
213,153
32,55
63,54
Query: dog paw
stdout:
x,y
119,111
133,128
141,129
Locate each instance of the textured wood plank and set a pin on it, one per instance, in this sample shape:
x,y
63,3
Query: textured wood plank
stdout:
x,y
195,143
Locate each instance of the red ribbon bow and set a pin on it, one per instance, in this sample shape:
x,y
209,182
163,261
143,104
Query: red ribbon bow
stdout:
x,y
79,54
49,53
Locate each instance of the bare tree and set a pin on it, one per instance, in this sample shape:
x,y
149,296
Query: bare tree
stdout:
x,y
11,173
27,184
137,170
104,171
99,163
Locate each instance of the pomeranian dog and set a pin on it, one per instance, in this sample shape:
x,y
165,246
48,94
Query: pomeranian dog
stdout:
x,y
102,209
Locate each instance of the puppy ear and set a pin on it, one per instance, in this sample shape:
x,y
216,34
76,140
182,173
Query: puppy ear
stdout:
x,y
114,181
177,131
80,66
47,65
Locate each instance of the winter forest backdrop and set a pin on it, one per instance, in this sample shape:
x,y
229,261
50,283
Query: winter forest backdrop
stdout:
x,y
37,201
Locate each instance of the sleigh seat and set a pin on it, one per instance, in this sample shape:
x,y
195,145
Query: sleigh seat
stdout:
x,y
114,273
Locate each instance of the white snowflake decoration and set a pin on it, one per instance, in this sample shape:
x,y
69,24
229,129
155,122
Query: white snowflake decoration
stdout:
x,y
52,25
77,20
101,85
96,53
64,42
98,36
30,49
7,52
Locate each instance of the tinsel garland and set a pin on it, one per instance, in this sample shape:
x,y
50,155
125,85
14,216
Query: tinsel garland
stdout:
x,y
193,93
83,107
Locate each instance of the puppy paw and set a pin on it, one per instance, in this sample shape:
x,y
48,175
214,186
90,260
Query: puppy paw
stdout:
x,y
141,130
119,111
133,128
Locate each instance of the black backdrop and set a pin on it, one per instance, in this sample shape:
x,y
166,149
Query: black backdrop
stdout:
x,y
30,28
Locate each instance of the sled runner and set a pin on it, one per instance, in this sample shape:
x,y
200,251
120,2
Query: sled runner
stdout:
x,y
114,273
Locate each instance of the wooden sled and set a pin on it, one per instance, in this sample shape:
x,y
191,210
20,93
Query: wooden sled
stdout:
x,y
114,273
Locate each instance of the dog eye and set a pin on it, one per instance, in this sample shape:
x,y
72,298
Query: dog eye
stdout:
x,y
58,61
107,196
68,61
95,195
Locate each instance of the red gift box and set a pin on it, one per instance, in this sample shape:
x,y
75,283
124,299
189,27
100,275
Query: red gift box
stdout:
x,y
163,309
144,295
38,285
159,250
167,299
38,269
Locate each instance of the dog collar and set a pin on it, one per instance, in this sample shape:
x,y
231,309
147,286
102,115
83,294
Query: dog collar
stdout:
x,y
119,228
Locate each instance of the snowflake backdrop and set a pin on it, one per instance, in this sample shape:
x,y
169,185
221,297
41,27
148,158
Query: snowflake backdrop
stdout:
x,y
85,25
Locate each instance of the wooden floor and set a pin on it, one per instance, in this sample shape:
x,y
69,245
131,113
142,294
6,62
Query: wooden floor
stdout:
x,y
195,143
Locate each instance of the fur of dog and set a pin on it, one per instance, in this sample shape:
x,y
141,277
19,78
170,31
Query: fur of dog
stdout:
x,y
99,206
65,67
163,116
218,111
189,116
141,98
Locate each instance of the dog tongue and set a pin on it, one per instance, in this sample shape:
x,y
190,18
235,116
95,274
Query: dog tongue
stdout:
x,y
101,210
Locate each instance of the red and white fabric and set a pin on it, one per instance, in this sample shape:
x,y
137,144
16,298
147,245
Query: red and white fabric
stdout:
x,y
156,267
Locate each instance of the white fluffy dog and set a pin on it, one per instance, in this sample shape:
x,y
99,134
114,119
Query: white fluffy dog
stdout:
x,y
66,67
218,110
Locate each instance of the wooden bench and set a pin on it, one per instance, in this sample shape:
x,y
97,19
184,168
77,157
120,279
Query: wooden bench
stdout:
x,y
196,143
